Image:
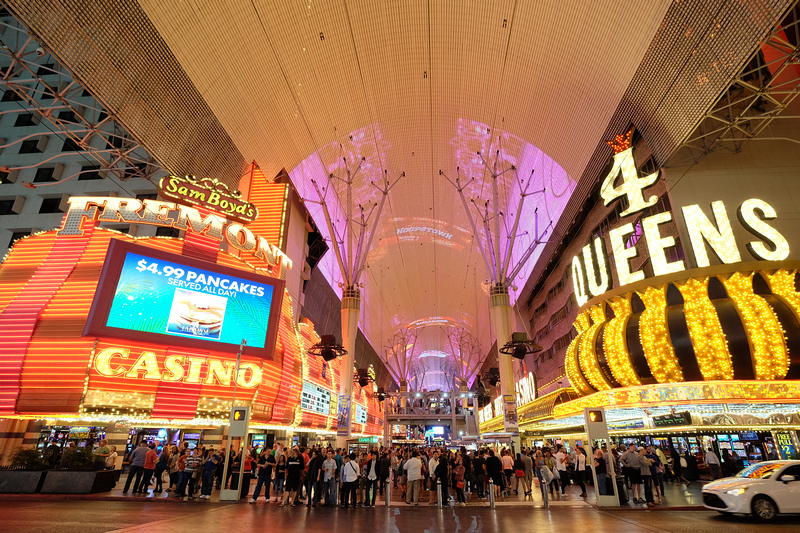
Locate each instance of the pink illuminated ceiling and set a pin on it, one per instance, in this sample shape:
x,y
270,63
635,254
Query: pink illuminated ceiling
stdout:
x,y
416,86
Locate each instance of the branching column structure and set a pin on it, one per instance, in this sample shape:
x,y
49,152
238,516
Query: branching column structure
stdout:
x,y
400,355
496,245
466,354
351,244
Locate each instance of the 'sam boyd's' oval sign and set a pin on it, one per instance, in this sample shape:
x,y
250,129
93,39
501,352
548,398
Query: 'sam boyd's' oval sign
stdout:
x,y
209,193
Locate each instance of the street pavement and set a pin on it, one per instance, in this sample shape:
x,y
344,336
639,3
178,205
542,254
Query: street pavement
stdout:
x,y
152,517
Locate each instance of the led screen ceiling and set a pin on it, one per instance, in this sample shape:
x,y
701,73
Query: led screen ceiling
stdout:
x,y
178,300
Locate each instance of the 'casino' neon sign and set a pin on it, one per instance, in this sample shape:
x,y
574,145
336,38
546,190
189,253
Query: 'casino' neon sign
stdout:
x,y
116,362
590,273
170,215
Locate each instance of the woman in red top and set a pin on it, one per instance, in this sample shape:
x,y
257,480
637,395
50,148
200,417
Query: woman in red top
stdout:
x,y
149,467
458,474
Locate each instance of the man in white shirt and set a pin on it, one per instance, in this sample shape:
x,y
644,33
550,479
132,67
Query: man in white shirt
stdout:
x,y
432,464
329,471
713,461
413,468
562,467
349,477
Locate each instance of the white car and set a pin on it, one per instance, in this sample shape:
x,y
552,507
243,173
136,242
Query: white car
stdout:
x,y
763,489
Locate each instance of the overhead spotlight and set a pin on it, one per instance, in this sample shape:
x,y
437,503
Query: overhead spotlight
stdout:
x,y
327,348
362,377
381,394
519,346
40,51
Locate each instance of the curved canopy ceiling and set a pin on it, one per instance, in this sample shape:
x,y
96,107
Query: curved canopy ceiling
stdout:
x,y
416,87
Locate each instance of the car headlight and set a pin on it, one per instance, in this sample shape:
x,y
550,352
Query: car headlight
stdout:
x,y
736,492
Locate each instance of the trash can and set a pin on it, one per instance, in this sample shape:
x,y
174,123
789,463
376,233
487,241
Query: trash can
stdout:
x,y
248,477
623,495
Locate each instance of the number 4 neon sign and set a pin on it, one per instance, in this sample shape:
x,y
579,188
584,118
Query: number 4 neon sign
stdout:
x,y
632,185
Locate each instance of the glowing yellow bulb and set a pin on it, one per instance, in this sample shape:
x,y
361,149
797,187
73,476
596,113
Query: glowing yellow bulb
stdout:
x,y
764,332
587,357
571,365
615,346
705,331
654,336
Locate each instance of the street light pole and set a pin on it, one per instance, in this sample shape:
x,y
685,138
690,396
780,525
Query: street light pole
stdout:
x,y
228,445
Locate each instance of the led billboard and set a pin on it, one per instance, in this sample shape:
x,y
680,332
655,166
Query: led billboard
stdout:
x,y
145,292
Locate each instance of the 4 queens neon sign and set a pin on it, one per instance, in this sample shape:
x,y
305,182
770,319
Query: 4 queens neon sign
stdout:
x,y
590,272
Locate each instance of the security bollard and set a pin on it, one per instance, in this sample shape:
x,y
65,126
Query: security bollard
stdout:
x,y
439,492
491,493
388,493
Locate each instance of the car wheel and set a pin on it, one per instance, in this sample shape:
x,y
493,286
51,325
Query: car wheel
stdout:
x,y
764,508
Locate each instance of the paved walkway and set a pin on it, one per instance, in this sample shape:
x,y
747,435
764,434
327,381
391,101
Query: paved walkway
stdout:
x,y
148,517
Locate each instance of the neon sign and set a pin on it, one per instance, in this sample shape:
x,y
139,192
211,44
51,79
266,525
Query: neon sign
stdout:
x,y
170,215
116,362
590,271
209,193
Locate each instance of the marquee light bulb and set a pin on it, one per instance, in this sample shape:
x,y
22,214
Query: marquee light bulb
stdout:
x,y
705,331
615,346
654,336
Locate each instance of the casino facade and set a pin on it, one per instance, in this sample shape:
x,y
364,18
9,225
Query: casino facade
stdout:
x,y
112,336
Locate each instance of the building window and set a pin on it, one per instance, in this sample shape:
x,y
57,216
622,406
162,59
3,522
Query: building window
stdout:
x,y
674,253
168,232
7,207
44,175
539,311
4,177
15,236
51,205
31,146
153,196
134,173
46,69
47,94
90,172
25,119
10,96
68,116
121,229
71,146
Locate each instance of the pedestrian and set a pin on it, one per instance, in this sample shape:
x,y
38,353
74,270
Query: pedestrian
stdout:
x,y
209,469
646,477
329,469
561,464
264,464
433,463
494,471
479,473
442,475
527,464
413,468
713,462
111,460
191,473
580,469
162,465
371,479
280,477
677,466
508,469
458,475
294,469
137,458
173,469
351,472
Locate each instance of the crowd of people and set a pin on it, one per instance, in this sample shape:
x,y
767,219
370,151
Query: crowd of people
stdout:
x,y
316,476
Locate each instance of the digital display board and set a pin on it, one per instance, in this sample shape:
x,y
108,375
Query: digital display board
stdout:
x,y
683,418
361,415
145,292
315,398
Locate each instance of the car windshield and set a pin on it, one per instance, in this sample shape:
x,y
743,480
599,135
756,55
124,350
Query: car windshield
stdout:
x,y
760,471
